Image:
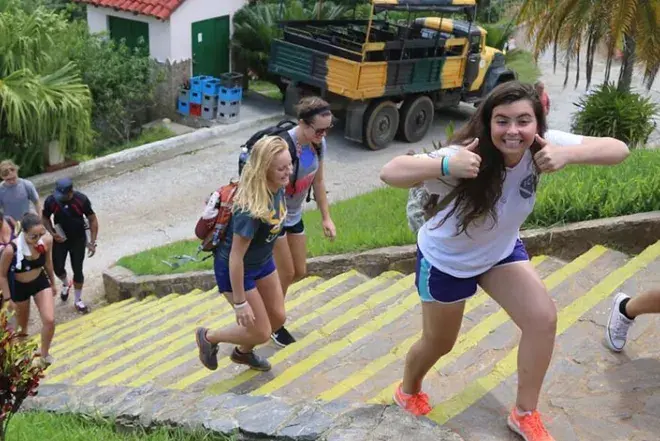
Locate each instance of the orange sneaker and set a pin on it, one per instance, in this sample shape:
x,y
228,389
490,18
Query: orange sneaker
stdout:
x,y
417,404
529,426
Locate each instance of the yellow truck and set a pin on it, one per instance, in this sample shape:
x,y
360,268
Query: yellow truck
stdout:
x,y
386,79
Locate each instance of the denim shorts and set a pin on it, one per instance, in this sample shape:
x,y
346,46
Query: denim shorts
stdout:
x,y
250,277
435,286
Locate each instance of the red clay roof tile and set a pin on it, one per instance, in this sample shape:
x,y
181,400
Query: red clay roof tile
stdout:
x,y
156,8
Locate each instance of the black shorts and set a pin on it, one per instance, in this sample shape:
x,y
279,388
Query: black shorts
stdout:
x,y
22,292
296,229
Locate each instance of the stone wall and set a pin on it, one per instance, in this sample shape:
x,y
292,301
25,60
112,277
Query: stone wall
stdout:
x,y
628,234
173,76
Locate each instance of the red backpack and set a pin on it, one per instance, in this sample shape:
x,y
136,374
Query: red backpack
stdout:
x,y
211,227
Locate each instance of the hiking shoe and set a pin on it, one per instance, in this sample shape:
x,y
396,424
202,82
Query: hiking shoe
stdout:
x,y
251,359
66,289
616,333
81,307
417,404
282,337
208,352
529,426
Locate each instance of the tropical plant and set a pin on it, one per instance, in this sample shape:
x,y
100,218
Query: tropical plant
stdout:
x,y
256,26
571,24
610,112
42,97
19,372
122,83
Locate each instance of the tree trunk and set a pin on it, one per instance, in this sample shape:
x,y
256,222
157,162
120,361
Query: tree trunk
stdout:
x,y
627,63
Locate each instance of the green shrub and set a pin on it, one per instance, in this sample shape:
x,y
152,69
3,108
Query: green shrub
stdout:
x,y
610,112
121,80
497,34
19,375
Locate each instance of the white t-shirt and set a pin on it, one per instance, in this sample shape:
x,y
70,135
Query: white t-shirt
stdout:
x,y
470,255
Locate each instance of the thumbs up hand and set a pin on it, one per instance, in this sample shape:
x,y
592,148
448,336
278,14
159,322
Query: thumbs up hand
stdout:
x,y
551,157
466,162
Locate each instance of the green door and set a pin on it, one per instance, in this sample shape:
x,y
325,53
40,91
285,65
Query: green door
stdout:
x,y
130,31
210,46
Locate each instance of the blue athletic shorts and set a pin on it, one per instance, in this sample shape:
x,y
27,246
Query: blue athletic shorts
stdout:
x,y
221,269
435,286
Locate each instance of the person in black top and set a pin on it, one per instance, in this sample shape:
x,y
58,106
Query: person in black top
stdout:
x,y
26,271
73,216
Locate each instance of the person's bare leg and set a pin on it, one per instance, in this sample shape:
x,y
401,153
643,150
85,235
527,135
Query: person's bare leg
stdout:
x,y
440,326
284,262
645,303
298,247
520,291
46,306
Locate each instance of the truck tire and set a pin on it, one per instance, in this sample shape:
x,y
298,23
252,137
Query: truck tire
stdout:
x,y
380,125
416,118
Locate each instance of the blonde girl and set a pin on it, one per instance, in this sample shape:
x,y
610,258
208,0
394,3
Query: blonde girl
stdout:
x,y
244,265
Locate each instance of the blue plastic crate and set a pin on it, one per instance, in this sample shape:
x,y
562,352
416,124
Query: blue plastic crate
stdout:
x,y
184,95
211,87
197,83
195,97
230,93
183,107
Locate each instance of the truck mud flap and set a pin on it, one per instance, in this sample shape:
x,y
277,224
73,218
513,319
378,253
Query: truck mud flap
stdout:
x,y
354,121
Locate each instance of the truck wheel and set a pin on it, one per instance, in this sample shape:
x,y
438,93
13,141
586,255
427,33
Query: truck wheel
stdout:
x,y
381,124
416,118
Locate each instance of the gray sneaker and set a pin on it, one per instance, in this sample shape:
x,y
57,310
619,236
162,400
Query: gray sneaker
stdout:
x,y
208,352
251,359
618,325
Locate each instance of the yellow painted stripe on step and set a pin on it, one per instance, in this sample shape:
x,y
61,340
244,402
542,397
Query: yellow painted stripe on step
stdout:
x,y
567,317
470,339
81,321
397,352
314,336
139,373
106,368
130,357
92,342
105,320
393,313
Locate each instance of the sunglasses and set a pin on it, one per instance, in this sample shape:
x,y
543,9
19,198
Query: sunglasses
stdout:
x,y
323,131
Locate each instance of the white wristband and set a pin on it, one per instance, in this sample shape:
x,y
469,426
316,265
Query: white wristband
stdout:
x,y
240,305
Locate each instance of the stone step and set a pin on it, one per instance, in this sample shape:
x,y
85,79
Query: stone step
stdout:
x,y
352,335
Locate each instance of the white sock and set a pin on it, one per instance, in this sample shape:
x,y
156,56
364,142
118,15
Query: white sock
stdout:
x,y
78,294
65,281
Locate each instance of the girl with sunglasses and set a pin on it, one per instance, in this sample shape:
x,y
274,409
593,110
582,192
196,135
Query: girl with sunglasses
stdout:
x,y
26,271
314,121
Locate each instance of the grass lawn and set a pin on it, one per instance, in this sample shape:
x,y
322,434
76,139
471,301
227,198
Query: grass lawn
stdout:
x,y
265,88
522,62
32,426
378,219
152,134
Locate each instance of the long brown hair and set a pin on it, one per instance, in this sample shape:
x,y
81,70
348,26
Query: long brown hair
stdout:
x,y
477,198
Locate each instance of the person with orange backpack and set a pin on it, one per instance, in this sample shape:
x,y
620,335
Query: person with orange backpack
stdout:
x,y
241,231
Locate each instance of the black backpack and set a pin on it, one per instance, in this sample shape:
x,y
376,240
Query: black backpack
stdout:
x,y
281,129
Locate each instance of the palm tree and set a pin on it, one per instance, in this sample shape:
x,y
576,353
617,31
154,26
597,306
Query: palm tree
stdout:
x,y
41,98
256,26
573,24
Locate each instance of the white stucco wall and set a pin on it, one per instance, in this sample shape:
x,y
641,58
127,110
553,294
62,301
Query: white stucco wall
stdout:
x,y
159,31
192,11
